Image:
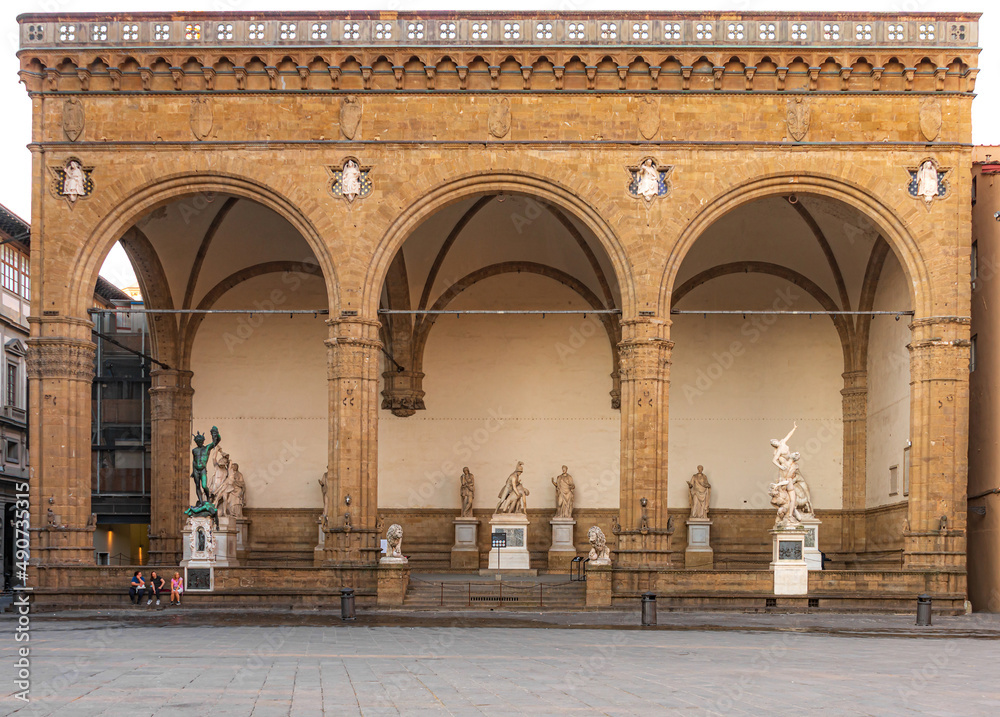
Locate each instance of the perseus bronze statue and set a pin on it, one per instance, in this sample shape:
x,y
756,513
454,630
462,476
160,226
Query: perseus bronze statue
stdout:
x,y
199,472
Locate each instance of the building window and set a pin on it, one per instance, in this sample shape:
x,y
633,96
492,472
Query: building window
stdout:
x,y
974,191
10,395
11,259
972,353
893,480
974,263
25,277
13,451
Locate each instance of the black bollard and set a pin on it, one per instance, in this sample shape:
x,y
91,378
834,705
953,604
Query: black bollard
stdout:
x,y
923,610
648,609
347,603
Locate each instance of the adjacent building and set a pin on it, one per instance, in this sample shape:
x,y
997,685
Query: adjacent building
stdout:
x,y
15,292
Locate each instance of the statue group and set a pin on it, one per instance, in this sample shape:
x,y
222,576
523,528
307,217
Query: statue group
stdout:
x,y
225,492
790,494
512,498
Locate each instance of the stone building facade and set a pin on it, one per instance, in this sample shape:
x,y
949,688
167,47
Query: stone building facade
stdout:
x,y
650,172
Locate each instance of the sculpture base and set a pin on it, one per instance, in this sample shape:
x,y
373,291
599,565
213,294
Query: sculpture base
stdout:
x,y
810,550
563,548
791,573
242,534
699,554
393,580
515,556
465,551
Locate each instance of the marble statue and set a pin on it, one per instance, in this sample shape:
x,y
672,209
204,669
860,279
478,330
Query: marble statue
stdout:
x,y
599,552
199,472
350,180
74,181
649,180
322,486
394,541
790,494
565,494
230,496
701,493
512,495
803,498
468,491
220,459
927,181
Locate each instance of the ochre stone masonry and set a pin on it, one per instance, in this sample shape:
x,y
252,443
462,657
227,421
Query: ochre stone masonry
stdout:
x,y
438,109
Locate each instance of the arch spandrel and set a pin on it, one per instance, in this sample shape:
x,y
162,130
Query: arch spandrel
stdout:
x,y
126,202
893,223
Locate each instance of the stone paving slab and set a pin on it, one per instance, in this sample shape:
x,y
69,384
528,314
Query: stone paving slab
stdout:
x,y
103,667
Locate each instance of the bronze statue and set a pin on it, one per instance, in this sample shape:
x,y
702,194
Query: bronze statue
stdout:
x,y
199,472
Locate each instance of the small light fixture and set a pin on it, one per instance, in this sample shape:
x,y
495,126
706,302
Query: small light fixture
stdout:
x,y
347,499
642,502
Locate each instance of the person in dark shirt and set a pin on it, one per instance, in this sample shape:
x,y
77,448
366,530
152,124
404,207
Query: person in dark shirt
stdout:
x,y
136,588
156,584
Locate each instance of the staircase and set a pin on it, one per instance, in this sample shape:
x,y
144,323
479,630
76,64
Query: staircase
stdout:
x,y
471,592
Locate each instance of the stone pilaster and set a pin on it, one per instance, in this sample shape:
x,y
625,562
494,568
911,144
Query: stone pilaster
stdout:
x,y
855,483
644,352
170,408
939,395
354,358
60,366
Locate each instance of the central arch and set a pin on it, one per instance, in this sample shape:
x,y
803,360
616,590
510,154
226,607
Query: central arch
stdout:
x,y
535,187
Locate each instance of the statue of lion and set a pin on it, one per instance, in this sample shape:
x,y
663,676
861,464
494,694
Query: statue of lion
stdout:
x,y
394,539
599,553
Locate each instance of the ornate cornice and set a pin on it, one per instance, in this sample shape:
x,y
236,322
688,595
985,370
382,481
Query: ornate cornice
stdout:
x,y
163,52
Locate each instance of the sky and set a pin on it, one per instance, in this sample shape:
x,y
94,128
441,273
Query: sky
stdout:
x,y
15,118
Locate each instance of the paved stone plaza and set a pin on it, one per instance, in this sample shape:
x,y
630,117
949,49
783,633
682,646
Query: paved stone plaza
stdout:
x,y
179,665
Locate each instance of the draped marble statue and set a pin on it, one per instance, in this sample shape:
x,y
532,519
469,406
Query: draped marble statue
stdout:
x,y
468,492
700,491
513,494
565,494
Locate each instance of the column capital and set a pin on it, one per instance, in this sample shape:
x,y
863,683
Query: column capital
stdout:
x,y
60,358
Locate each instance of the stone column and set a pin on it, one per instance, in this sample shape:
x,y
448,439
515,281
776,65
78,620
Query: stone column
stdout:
x,y
645,375
354,359
855,483
170,485
60,376
939,412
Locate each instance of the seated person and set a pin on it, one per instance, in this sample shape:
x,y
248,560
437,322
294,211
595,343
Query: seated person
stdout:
x,y
136,588
156,585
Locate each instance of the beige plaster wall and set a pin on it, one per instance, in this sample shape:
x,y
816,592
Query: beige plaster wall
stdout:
x,y
505,388
888,387
262,380
736,383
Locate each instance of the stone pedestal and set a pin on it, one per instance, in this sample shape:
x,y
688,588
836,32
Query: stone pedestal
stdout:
x,y
810,550
791,573
393,580
598,585
242,535
563,548
465,551
515,555
699,554
319,552
200,548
